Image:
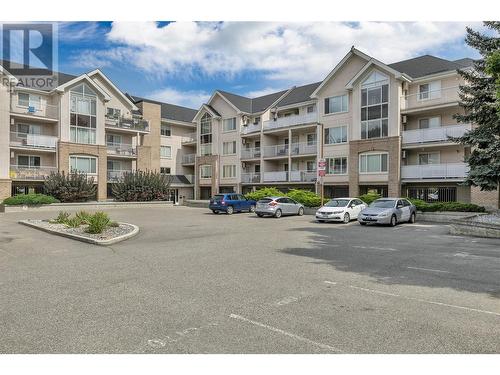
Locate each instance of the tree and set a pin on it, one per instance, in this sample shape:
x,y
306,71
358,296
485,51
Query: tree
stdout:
x,y
481,106
142,186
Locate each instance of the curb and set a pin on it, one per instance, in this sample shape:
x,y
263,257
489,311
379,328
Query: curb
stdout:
x,y
93,241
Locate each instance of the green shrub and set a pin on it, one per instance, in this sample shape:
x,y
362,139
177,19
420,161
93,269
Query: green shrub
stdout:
x,y
72,187
62,218
264,192
446,206
306,197
30,199
98,222
369,197
73,222
142,186
84,217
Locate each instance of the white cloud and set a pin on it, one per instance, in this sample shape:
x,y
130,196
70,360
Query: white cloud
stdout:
x,y
192,99
264,91
77,31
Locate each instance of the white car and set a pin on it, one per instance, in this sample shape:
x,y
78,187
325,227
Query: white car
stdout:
x,y
340,209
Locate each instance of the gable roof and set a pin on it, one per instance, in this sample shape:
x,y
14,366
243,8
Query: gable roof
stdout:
x,y
169,111
298,94
252,105
427,65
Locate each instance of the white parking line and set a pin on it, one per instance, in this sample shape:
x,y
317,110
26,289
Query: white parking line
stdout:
x,y
292,335
374,248
427,269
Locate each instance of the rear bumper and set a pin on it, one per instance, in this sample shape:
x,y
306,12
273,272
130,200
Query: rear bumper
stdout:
x,y
215,207
265,211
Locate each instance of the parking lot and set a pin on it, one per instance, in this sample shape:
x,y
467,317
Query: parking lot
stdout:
x,y
194,282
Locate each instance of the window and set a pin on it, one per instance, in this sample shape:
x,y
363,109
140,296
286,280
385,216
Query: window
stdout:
x,y
28,129
114,165
113,113
165,130
83,103
83,164
336,165
256,120
229,148
29,100
229,171
165,170
375,106
113,139
311,165
431,90
311,139
28,161
337,104
311,108
336,135
206,171
206,129
257,168
428,158
229,124
431,122
166,152
373,163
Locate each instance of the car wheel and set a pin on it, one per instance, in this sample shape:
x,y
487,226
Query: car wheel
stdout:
x,y
252,208
215,212
412,218
260,215
277,214
347,218
361,223
394,221
230,210
301,211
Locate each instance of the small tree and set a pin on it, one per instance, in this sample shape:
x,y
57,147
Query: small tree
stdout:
x,y
71,187
142,186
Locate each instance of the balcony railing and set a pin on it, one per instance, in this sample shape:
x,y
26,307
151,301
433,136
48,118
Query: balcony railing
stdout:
x,y
121,149
188,158
43,110
206,149
250,153
435,171
283,122
439,134
250,128
275,151
281,176
250,177
23,172
303,148
303,176
33,140
430,98
115,175
128,123
189,138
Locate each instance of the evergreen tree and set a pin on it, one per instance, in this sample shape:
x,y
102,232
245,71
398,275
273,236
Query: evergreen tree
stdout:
x,y
481,104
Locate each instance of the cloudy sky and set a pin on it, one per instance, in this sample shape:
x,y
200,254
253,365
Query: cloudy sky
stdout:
x,y
183,62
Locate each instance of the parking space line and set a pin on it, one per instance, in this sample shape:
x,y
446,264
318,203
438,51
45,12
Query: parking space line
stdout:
x,y
374,248
427,269
285,333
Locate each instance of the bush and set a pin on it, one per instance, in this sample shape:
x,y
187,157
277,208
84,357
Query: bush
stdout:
x,y
30,199
369,197
84,217
142,186
72,187
73,222
62,218
446,206
264,192
306,197
98,222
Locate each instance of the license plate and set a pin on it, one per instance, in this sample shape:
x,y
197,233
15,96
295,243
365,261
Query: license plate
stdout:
x,y
369,219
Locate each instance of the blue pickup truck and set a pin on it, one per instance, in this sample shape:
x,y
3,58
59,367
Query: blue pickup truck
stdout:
x,y
230,203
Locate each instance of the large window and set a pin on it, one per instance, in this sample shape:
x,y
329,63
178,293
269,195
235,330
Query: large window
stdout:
x,y
375,106
28,129
166,130
431,122
428,158
83,164
229,148
166,152
83,121
229,171
165,170
206,134
229,124
28,161
113,113
373,163
205,171
336,135
337,104
337,165
28,100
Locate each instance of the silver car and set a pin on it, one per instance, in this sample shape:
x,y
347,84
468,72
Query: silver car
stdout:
x,y
388,211
278,206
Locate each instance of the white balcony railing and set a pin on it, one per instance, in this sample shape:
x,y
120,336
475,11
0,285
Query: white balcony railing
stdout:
x,y
40,110
303,148
128,123
206,149
439,134
250,128
121,149
115,175
250,177
275,150
23,172
33,140
435,171
250,153
189,138
293,120
188,158
430,98
303,176
281,176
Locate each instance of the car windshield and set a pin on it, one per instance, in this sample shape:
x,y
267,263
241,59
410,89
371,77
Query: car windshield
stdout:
x,y
219,197
383,203
337,203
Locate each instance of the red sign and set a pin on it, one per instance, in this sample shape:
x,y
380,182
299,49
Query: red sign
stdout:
x,y
321,173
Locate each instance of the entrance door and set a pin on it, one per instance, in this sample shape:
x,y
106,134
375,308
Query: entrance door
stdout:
x,y
205,192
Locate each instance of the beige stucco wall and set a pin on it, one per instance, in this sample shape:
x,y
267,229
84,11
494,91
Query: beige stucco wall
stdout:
x,y
446,115
449,87
152,113
47,159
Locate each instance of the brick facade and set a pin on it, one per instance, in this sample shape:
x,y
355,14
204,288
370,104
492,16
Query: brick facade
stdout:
x,y
488,199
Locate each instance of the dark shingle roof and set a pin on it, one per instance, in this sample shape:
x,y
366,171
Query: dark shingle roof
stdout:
x,y
254,105
299,94
465,62
169,111
176,179
426,65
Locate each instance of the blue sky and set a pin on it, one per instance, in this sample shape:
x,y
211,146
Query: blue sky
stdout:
x,y
182,63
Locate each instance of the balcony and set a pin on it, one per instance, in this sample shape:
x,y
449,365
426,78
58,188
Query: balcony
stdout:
x,y
429,99
250,129
115,175
41,111
439,134
188,159
127,123
281,176
276,151
247,178
121,149
189,138
30,173
38,141
303,176
283,122
206,149
434,171
303,149
250,153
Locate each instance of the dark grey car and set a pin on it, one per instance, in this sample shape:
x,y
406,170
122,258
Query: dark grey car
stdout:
x,y
388,211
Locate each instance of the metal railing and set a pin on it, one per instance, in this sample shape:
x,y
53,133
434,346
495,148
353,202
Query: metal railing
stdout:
x,y
24,172
188,158
292,120
206,149
43,110
434,134
250,177
430,98
121,149
250,153
115,175
33,140
189,138
250,128
435,171
303,148
303,176
275,150
281,176
129,123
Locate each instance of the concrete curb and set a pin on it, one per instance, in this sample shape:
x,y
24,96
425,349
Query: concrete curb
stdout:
x,y
86,205
476,229
82,238
445,217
